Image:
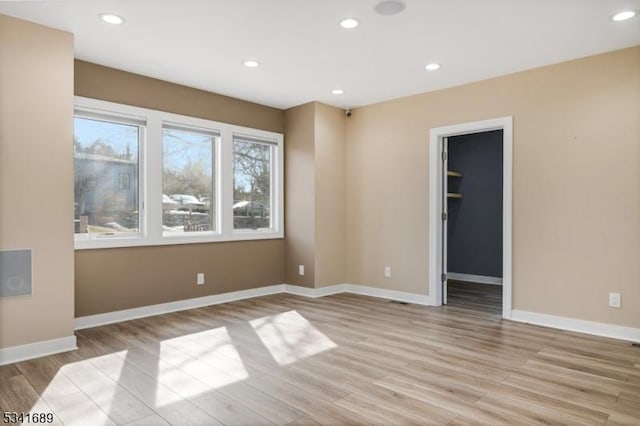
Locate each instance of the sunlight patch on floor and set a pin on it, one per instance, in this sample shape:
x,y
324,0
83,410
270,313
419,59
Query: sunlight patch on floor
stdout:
x,y
289,337
80,390
210,355
141,384
127,385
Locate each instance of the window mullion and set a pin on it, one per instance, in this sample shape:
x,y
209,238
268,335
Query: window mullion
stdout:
x,y
153,188
277,188
226,183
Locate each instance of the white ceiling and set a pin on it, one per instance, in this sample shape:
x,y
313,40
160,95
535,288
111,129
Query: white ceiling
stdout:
x,y
304,54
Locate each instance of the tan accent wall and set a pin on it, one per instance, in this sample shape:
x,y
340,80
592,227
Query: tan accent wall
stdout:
x,y
315,194
109,84
300,194
330,151
122,278
576,184
36,176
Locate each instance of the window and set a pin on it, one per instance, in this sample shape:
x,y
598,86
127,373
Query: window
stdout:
x,y
146,177
106,171
252,183
188,200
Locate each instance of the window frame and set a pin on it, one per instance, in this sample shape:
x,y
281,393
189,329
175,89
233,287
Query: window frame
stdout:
x,y
150,165
117,117
273,180
215,163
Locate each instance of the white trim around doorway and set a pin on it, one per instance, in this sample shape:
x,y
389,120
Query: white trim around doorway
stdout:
x,y
436,136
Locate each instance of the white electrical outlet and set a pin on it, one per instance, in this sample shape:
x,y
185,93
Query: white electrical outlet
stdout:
x,y
200,278
300,269
614,300
387,271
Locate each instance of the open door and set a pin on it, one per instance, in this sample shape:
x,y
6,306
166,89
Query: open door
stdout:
x,y
444,216
438,211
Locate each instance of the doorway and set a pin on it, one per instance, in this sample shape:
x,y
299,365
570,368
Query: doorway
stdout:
x,y
473,225
446,193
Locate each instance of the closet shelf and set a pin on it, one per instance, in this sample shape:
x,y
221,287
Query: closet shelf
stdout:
x,y
453,195
453,174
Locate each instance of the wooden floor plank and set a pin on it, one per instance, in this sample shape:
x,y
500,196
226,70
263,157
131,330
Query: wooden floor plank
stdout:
x,y
326,392
342,359
227,411
17,395
117,402
78,409
152,420
291,395
267,406
185,413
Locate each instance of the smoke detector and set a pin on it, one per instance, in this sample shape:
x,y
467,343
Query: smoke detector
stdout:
x,y
390,7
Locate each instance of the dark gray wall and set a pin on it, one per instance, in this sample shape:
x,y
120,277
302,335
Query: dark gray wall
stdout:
x,y
475,221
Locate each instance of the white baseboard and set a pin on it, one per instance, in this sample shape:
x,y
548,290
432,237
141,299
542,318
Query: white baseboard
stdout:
x,y
363,290
331,289
314,292
580,326
36,350
480,279
400,296
179,305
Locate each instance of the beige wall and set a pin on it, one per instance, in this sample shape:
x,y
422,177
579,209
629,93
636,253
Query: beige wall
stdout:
x,y
315,194
330,151
114,279
36,176
122,278
576,184
356,189
109,84
300,194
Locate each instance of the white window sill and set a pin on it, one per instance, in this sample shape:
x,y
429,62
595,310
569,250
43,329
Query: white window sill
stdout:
x,y
166,240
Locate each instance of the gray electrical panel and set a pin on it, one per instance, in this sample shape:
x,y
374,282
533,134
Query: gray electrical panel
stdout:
x,y
15,273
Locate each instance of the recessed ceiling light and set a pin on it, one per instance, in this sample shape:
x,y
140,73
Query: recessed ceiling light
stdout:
x,y
110,18
623,16
337,91
251,64
349,23
390,7
432,67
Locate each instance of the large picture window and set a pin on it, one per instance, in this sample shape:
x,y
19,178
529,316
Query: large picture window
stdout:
x,y
106,175
147,177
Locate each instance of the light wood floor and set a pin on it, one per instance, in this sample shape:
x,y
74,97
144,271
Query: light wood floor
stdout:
x,y
341,359
478,297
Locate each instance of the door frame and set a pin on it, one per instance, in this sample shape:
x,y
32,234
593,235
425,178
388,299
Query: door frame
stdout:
x,y
436,174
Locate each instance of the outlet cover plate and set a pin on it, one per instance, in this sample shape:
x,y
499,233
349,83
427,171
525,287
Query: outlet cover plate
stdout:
x,y
614,300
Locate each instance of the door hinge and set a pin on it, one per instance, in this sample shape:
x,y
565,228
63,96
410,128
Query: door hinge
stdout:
x,y
444,216
443,277
444,155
